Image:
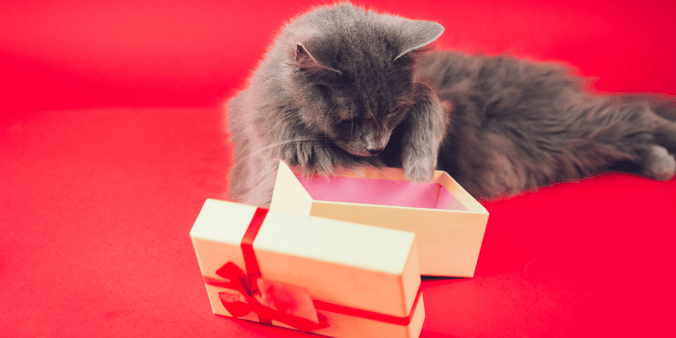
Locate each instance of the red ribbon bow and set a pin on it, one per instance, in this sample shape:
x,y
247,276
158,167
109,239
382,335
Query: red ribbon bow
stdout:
x,y
270,300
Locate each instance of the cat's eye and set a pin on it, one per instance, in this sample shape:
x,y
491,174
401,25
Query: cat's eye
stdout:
x,y
347,127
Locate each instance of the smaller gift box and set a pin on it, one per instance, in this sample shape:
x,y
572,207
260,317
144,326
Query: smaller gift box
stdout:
x,y
448,222
308,273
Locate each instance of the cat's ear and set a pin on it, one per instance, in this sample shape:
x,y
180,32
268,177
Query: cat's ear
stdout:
x,y
310,55
415,34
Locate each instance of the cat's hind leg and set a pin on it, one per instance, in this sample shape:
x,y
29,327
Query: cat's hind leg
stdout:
x,y
657,163
642,128
658,159
665,134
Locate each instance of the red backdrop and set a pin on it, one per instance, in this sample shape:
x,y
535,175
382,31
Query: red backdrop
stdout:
x,y
111,139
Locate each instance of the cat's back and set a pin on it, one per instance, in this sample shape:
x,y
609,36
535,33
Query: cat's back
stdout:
x,y
448,67
451,73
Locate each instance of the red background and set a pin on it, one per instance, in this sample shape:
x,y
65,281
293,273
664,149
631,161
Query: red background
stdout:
x,y
111,139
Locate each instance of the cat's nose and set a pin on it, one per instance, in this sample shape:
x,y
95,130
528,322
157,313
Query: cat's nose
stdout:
x,y
374,152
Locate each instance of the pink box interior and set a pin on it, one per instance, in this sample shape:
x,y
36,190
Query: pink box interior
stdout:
x,y
381,192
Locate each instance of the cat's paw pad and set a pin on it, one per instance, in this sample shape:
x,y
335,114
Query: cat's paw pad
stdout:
x,y
659,164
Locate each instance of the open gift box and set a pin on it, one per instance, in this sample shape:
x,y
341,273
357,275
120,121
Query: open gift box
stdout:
x,y
448,222
309,273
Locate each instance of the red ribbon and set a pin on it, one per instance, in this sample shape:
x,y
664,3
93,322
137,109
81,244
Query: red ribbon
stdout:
x,y
247,301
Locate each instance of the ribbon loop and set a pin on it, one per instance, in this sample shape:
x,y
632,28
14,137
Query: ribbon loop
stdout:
x,y
237,280
282,302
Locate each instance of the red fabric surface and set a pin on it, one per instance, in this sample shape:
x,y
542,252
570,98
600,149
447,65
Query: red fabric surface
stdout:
x,y
96,201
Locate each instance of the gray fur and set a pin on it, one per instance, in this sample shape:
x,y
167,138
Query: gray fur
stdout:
x,y
340,84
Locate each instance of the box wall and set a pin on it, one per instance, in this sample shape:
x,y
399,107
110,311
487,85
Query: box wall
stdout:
x,y
295,199
448,244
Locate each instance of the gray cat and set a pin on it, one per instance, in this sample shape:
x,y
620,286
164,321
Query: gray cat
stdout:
x,y
343,87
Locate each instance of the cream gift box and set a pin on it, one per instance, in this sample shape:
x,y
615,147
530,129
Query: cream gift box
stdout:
x,y
314,274
448,222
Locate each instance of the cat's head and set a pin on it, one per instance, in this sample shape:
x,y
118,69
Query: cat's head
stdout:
x,y
352,72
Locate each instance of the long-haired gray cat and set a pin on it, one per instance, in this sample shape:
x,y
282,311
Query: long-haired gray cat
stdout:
x,y
345,87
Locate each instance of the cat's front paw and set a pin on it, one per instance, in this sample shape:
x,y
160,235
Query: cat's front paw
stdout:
x,y
424,130
314,159
419,172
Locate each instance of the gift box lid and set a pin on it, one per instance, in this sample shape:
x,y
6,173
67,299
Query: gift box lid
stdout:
x,y
348,264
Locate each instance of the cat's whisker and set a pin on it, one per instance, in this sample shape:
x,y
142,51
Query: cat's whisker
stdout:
x,y
326,123
300,139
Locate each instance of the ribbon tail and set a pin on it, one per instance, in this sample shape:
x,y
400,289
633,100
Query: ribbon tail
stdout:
x,y
235,307
300,323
